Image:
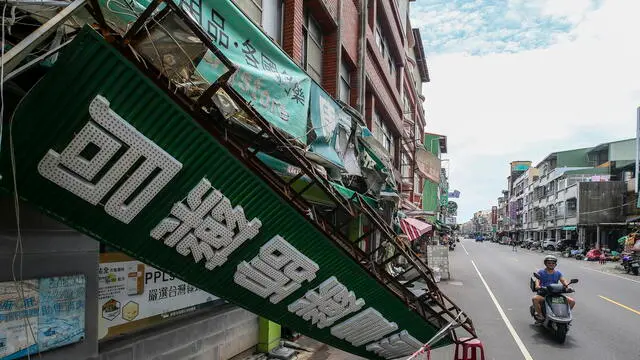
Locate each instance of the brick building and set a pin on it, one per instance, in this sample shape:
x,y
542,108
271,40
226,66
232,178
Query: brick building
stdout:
x,y
365,54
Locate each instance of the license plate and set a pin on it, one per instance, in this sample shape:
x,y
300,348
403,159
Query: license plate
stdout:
x,y
557,300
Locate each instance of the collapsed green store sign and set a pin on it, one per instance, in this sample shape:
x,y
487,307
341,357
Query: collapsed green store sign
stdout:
x,y
101,148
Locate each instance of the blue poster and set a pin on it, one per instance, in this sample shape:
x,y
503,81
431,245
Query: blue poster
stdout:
x,y
39,315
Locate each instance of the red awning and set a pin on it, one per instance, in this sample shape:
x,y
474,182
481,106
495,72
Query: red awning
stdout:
x,y
414,228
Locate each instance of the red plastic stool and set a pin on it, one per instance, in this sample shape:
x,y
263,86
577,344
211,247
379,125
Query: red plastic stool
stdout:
x,y
468,349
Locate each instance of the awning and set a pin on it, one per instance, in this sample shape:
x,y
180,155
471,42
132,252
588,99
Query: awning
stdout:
x,y
414,228
569,228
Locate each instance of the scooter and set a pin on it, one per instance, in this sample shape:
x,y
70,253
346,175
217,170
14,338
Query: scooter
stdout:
x,y
634,265
626,263
452,245
556,310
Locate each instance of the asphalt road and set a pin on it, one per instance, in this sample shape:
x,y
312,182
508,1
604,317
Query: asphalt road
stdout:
x,y
606,322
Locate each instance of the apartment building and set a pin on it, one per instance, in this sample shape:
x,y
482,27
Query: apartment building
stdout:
x,y
580,194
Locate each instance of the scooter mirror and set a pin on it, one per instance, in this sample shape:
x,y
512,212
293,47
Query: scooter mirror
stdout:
x,y
573,281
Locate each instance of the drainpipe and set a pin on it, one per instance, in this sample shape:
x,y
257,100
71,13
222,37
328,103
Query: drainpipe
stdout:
x,y
339,54
363,48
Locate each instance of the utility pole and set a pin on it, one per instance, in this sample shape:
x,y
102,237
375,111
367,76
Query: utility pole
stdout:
x,y
637,151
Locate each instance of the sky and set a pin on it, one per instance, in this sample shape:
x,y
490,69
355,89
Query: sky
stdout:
x,y
520,79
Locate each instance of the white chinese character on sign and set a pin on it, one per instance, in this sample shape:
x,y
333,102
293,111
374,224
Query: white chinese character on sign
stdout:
x,y
101,155
395,346
327,303
277,271
206,226
364,328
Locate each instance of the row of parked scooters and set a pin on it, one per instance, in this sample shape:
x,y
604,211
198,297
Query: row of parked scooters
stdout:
x,y
542,245
630,261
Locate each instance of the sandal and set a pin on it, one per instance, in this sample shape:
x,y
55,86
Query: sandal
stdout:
x,y
539,318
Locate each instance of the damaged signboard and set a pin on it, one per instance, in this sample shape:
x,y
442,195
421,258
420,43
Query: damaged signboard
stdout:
x,y
123,163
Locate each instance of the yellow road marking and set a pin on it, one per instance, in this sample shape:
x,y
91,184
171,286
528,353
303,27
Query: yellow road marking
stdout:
x,y
617,303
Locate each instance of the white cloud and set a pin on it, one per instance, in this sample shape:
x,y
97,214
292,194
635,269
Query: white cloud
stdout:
x,y
501,107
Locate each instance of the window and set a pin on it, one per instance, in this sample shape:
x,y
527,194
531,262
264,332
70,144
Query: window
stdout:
x,y
312,49
377,126
345,83
272,19
406,166
253,9
384,136
417,184
267,14
381,42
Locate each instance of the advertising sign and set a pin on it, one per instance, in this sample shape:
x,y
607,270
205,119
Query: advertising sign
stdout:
x,y
125,164
494,215
520,165
132,294
40,315
428,164
452,208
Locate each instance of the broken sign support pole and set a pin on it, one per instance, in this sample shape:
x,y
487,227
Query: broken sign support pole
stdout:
x,y
15,55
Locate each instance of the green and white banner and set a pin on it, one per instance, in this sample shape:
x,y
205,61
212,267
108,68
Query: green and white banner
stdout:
x,y
267,78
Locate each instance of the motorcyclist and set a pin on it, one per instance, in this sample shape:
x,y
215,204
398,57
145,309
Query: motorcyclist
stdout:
x,y
548,275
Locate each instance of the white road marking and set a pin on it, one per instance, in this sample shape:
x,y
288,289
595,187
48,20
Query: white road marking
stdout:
x,y
514,334
465,250
618,276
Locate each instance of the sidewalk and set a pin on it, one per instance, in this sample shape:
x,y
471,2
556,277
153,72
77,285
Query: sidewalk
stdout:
x,y
322,351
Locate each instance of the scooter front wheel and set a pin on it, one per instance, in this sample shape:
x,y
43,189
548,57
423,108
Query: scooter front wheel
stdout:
x,y
561,332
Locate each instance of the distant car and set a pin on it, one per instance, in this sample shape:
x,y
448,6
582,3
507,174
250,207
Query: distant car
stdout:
x,y
480,238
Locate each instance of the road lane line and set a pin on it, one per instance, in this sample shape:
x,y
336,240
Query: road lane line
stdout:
x,y
621,305
514,334
465,249
606,273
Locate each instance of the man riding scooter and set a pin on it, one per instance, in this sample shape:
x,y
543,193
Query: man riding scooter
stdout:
x,y
548,275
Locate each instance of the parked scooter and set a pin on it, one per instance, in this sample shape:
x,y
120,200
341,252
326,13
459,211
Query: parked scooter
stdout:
x,y
631,264
452,244
556,310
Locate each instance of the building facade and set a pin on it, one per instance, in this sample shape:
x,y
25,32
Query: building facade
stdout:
x,y
581,195
364,54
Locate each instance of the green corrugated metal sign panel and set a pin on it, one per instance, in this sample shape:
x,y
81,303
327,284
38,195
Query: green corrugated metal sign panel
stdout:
x,y
430,196
432,143
101,148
